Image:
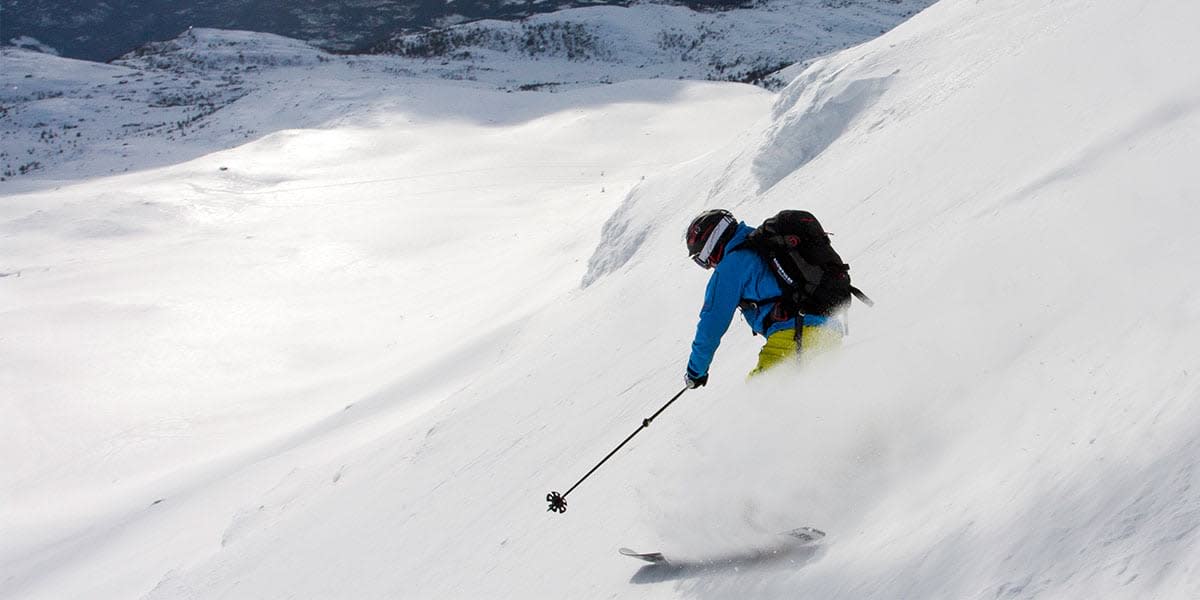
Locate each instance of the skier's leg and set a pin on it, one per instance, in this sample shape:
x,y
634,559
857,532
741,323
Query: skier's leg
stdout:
x,y
819,339
780,346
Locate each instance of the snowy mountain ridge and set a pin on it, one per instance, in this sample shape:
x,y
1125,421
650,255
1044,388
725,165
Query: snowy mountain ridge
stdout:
x,y
656,40
165,99
100,32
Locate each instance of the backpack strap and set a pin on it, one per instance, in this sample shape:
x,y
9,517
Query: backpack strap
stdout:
x,y
748,304
777,314
861,296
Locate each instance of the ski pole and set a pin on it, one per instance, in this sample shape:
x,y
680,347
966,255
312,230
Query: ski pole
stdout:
x,y
558,502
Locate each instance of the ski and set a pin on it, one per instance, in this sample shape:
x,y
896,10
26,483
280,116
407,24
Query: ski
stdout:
x,y
801,536
654,558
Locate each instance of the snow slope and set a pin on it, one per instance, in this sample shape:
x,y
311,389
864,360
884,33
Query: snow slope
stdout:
x,y
273,381
167,330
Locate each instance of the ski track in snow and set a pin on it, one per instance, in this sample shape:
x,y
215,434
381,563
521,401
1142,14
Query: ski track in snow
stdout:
x,y
253,367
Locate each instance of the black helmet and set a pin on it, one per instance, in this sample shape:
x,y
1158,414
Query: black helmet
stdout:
x,y
707,236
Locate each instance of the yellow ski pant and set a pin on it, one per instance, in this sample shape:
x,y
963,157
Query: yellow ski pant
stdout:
x,y
781,346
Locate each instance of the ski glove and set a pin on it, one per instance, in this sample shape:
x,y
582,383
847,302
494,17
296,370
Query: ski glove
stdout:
x,y
694,381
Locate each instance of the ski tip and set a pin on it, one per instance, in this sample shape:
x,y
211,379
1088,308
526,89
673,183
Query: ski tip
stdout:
x,y
805,534
650,557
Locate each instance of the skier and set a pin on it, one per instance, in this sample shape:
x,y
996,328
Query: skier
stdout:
x,y
792,288
743,278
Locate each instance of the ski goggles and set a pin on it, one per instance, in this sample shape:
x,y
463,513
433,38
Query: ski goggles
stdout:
x,y
710,251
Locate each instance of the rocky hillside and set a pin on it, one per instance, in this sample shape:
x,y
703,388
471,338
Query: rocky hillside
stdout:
x,y
101,31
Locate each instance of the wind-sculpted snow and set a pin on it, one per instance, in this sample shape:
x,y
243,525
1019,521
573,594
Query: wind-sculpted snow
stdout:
x,y
812,112
620,239
649,205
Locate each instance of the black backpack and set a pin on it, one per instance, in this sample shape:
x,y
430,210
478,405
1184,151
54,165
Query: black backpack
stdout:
x,y
814,279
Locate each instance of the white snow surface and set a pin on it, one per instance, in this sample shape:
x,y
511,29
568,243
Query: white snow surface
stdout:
x,y
349,358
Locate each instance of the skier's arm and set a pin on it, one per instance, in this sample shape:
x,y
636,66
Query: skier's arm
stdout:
x,y
720,301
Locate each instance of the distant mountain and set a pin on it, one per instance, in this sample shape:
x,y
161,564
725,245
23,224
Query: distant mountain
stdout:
x,y
172,100
648,41
102,31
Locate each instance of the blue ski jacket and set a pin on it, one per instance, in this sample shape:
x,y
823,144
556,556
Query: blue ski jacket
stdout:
x,y
741,275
